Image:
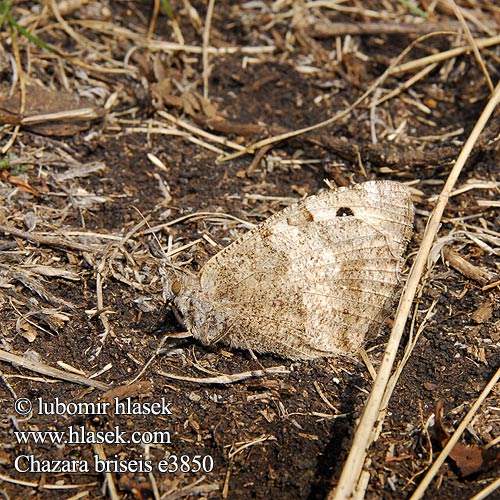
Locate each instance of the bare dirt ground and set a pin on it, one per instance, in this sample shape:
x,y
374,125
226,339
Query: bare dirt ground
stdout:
x,y
114,117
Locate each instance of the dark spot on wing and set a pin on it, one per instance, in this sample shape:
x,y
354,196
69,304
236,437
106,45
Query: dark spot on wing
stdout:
x,y
344,212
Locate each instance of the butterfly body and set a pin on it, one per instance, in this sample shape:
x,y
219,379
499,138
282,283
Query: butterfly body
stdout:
x,y
313,280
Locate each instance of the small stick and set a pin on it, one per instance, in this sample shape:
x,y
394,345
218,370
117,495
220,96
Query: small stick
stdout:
x,y
49,240
406,85
464,267
51,372
66,116
200,132
326,30
229,379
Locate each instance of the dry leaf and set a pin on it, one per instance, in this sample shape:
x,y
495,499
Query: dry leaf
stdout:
x,y
483,313
469,459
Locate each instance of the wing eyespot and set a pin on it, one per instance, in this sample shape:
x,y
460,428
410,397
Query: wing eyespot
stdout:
x,y
344,212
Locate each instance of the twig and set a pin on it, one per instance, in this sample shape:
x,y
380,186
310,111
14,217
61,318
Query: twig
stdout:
x,y
198,131
406,85
216,51
70,115
463,266
229,379
261,439
49,241
392,382
196,216
154,19
51,372
195,489
101,276
326,30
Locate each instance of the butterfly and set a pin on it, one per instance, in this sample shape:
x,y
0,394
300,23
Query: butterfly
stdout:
x,y
313,280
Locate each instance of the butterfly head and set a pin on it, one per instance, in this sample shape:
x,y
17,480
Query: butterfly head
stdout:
x,y
192,308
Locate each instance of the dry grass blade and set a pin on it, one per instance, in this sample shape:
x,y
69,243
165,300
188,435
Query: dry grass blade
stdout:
x,y
486,492
472,42
447,54
354,463
74,114
206,41
202,133
110,483
406,85
261,439
213,216
45,486
195,489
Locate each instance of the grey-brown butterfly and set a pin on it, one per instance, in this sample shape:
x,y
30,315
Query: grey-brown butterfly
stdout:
x,y
312,280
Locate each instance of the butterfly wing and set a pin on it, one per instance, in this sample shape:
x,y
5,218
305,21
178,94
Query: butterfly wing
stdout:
x,y
310,281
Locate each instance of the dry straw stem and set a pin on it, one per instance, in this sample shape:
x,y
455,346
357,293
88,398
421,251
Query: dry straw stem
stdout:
x,y
419,492
51,372
194,490
392,382
261,439
406,85
110,483
200,132
113,30
472,42
215,217
103,270
362,438
486,492
206,41
481,43
93,48
70,115
44,486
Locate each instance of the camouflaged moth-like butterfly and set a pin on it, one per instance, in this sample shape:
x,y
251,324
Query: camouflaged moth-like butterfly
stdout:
x,y
312,280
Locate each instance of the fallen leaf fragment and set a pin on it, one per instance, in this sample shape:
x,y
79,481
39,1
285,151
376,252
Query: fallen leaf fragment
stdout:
x,y
469,459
